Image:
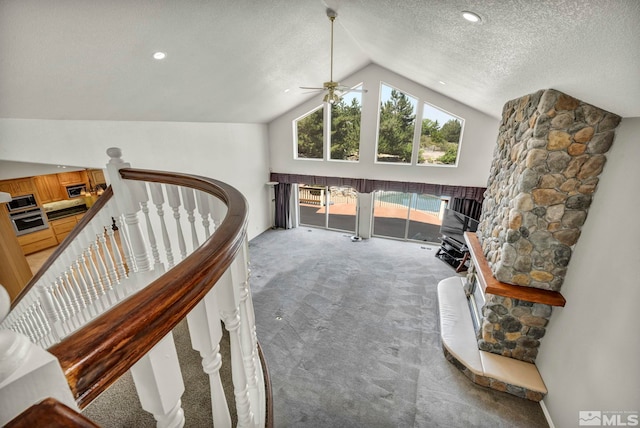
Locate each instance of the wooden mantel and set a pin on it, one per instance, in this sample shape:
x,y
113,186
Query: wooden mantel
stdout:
x,y
491,285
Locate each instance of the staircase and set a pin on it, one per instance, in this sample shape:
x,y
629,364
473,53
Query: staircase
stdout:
x,y
156,248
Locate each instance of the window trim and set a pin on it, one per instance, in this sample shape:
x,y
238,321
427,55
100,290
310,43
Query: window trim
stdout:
x,y
328,129
455,116
295,134
413,143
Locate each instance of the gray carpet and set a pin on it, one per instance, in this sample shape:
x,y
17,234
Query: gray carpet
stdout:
x,y
351,337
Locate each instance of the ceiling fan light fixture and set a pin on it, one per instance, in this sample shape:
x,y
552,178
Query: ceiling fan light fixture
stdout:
x,y
331,98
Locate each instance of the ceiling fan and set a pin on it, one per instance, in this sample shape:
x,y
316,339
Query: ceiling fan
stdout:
x,y
334,90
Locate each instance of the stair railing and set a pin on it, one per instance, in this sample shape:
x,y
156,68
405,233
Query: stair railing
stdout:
x,y
156,248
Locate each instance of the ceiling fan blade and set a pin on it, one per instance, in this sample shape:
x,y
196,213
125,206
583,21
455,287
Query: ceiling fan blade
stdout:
x,y
345,90
309,87
315,91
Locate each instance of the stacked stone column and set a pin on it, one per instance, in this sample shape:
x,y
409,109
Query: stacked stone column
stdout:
x,y
549,154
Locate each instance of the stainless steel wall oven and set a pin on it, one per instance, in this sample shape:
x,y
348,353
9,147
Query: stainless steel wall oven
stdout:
x,y
29,221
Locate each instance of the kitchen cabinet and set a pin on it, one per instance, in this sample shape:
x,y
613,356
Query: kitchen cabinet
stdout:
x,y
36,241
17,187
62,227
96,176
15,272
48,188
73,177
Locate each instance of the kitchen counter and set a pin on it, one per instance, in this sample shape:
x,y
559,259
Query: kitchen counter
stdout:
x,y
62,209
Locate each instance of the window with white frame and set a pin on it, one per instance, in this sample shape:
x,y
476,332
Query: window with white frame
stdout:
x,y
344,141
396,125
310,135
440,137
340,130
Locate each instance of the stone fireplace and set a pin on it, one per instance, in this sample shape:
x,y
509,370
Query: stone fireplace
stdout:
x,y
549,154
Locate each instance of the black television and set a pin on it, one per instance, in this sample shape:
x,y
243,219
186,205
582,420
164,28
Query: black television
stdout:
x,y
455,224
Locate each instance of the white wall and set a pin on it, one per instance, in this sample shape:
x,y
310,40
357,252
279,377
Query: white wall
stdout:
x,y
234,153
590,357
476,152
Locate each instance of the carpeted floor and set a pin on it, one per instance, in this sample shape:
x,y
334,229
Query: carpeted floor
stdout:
x,y
351,337
350,332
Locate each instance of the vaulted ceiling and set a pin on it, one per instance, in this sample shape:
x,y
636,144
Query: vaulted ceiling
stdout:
x,y
243,60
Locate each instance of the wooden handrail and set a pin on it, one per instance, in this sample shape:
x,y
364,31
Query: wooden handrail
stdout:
x,y
95,356
52,414
90,214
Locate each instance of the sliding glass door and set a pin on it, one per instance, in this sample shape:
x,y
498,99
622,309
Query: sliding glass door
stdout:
x,y
407,216
328,207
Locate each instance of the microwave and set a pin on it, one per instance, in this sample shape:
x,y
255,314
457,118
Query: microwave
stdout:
x,y
76,190
20,203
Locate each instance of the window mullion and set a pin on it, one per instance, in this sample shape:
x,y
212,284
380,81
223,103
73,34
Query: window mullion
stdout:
x,y
417,133
326,131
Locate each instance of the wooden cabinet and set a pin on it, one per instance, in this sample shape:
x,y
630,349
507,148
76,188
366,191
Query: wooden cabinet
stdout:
x,y
36,241
73,177
48,188
14,269
17,187
96,176
62,227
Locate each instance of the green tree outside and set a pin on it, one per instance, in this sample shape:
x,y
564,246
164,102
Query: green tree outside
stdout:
x,y
345,130
451,131
397,124
310,135
438,139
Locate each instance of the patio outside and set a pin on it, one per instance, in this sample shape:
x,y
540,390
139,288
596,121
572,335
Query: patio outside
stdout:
x,y
396,215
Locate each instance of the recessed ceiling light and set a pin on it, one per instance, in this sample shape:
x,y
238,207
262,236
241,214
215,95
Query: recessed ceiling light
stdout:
x,y
159,55
471,16
441,82
286,90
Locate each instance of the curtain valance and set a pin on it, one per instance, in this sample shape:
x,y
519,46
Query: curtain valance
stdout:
x,y
364,185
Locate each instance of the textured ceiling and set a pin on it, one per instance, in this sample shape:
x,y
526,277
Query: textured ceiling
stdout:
x,y
231,60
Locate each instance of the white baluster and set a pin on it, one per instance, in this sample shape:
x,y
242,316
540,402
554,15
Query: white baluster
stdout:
x,y
173,196
159,383
117,271
50,312
71,300
76,292
218,211
88,292
230,314
60,307
248,336
94,283
189,202
206,332
138,246
202,199
140,191
28,326
125,245
45,327
158,200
